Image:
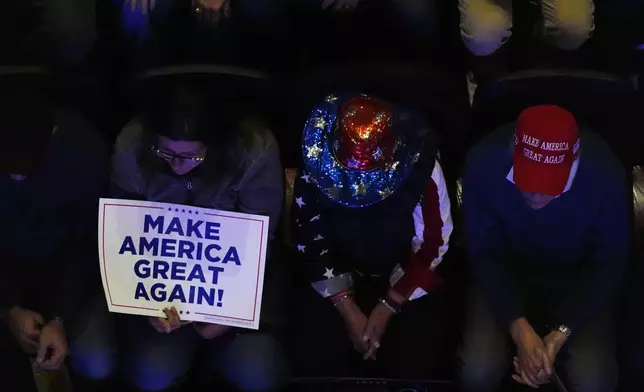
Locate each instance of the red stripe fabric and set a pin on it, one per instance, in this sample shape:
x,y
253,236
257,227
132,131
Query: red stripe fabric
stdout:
x,y
417,271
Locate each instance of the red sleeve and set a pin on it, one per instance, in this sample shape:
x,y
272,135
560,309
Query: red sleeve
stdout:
x,y
417,272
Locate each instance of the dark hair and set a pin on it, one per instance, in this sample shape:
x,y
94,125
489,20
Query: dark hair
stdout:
x,y
181,110
177,112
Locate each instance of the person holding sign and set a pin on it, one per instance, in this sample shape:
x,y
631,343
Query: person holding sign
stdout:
x,y
372,221
53,170
547,226
177,151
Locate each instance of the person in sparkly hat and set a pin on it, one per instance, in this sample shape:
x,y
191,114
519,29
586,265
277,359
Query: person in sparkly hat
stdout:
x,y
547,229
372,222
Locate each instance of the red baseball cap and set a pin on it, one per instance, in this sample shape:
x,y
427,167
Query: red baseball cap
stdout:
x,y
546,140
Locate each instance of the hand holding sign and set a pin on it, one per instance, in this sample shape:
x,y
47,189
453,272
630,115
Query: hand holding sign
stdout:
x,y
168,324
208,265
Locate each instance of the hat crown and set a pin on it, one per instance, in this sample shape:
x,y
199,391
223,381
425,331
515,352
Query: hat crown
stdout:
x,y
546,140
364,136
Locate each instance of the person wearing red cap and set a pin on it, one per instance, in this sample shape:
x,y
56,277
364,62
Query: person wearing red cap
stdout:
x,y
372,222
547,227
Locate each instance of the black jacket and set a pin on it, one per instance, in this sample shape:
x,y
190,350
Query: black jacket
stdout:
x,y
48,240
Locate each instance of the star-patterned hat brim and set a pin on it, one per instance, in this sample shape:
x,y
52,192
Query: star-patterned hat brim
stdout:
x,y
360,188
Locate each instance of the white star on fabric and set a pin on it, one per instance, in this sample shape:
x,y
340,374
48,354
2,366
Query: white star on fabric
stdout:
x,y
318,238
326,293
319,122
324,251
305,178
328,273
299,202
317,217
301,248
331,98
313,151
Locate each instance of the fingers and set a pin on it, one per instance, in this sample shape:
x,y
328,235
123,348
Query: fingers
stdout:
x,y
51,351
153,4
173,318
371,352
31,326
547,365
358,344
520,376
528,370
39,320
517,368
530,377
371,339
530,374
522,381
535,364
53,362
42,350
543,378
31,329
528,380
30,336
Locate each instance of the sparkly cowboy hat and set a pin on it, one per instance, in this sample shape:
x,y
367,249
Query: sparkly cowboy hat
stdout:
x,y
359,150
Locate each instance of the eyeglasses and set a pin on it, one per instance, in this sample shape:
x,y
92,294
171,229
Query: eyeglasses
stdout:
x,y
168,156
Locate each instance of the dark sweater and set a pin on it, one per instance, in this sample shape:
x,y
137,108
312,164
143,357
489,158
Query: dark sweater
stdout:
x,y
48,242
567,259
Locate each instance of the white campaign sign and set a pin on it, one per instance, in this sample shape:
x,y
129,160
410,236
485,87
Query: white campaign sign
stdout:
x,y
208,264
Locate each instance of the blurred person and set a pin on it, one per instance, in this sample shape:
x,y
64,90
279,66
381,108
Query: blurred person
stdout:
x,y
372,222
415,23
200,30
546,213
57,32
178,150
54,168
486,25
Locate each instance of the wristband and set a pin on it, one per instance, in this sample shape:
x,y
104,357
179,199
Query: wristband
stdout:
x,y
339,298
390,304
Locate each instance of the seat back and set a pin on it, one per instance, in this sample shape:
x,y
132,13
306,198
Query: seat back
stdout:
x,y
606,103
230,89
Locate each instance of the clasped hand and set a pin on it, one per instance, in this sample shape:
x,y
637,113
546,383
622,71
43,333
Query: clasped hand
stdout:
x,y
365,333
46,340
534,363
